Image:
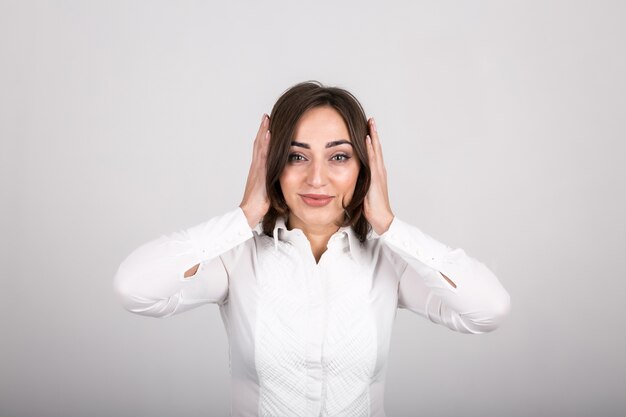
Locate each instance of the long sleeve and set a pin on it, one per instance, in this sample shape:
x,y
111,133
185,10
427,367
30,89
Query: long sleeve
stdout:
x,y
476,303
151,282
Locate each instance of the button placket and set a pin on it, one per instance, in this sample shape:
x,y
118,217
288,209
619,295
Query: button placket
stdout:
x,y
314,381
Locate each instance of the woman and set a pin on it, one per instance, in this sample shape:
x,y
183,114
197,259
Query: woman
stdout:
x,y
307,291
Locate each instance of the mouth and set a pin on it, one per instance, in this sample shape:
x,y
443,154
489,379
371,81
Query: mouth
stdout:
x,y
316,200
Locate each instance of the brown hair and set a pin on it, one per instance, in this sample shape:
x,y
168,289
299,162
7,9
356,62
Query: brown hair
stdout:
x,y
288,109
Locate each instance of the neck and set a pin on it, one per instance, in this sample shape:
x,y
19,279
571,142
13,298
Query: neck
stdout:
x,y
314,233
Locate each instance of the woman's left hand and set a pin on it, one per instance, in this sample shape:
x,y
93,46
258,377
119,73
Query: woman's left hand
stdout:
x,y
376,205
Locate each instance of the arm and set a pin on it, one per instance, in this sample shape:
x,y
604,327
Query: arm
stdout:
x,y
156,278
445,285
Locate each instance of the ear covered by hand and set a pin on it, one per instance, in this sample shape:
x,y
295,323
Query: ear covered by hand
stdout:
x,y
376,205
255,202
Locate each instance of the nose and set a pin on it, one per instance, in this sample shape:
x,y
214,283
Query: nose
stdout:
x,y
316,174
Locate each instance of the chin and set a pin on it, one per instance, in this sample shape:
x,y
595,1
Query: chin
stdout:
x,y
322,215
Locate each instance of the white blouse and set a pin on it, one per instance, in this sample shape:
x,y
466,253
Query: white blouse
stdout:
x,y
307,338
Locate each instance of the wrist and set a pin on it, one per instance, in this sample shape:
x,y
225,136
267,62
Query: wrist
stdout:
x,y
383,225
251,216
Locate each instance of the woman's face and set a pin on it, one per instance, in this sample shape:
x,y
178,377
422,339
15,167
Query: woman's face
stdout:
x,y
321,161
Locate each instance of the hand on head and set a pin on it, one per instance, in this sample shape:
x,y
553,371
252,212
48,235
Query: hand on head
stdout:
x,y
255,202
376,205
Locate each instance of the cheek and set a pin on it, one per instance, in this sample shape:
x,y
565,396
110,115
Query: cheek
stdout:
x,y
287,182
347,181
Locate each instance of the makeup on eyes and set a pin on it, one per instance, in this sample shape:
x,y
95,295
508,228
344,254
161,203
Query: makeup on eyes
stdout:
x,y
345,157
328,145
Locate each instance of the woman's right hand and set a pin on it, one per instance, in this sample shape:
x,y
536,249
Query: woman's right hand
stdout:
x,y
255,202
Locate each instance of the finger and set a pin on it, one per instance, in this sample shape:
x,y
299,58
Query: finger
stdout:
x,y
371,153
375,139
378,150
263,127
260,140
266,144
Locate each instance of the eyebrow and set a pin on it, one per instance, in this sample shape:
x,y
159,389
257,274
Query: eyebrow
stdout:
x,y
328,145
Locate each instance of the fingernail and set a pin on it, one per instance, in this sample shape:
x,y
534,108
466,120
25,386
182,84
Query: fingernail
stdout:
x,y
374,125
263,118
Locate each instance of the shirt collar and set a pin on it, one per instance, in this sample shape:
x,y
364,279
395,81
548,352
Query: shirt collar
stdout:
x,y
281,233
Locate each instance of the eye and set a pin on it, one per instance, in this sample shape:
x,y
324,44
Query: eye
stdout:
x,y
341,155
293,157
296,157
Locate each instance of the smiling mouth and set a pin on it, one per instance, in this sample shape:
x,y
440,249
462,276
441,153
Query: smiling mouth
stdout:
x,y
317,196
316,200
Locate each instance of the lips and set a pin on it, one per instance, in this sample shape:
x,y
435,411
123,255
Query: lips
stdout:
x,y
316,200
317,196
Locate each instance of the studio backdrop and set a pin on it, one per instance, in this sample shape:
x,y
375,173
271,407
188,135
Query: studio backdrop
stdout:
x,y
502,129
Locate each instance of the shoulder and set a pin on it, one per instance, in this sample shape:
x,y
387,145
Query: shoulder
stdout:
x,y
243,252
377,251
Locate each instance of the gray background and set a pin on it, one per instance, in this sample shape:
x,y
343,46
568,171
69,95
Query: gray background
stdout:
x,y
502,126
